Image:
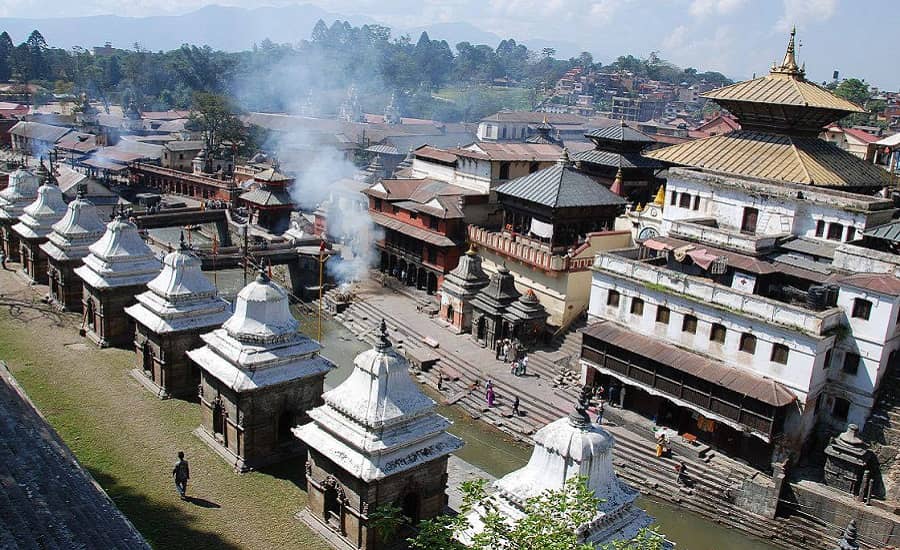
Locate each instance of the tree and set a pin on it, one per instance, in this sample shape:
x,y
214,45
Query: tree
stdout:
x,y
217,118
6,51
551,521
853,89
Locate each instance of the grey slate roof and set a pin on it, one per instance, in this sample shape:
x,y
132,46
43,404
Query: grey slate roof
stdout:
x,y
39,131
619,132
887,232
47,500
266,197
815,247
560,186
617,160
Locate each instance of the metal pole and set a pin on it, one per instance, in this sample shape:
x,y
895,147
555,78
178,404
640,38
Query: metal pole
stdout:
x,y
321,270
245,252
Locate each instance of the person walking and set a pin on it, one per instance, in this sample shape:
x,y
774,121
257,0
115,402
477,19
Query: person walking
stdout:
x,y
182,473
524,365
599,420
3,260
489,397
515,406
660,445
680,473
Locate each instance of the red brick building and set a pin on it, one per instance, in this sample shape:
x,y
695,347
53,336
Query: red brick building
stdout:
x,y
424,226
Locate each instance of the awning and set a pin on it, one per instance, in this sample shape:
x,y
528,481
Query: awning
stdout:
x,y
738,380
702,257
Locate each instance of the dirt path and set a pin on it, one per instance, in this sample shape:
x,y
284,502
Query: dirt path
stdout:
x,y
128,438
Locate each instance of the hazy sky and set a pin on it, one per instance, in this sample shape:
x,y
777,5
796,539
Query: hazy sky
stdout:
x,y
736,37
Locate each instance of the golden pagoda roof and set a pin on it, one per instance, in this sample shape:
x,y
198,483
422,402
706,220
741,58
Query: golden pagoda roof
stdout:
x,y
785,84
804,160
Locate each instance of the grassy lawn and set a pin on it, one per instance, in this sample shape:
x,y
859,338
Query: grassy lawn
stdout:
x,y
511,98
128,439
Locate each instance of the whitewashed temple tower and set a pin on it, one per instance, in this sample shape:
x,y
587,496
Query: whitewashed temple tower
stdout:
x,y
19,193
179,305
66,247
35,224
117,269
377,440
259,377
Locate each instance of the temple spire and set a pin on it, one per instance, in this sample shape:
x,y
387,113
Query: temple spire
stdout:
x,y
618,186
789,63
579,417
383,342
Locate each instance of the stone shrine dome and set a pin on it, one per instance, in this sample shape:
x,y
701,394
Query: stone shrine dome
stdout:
x,y
259,345
21,190
262,313
378,422
179,298
75,232
119,258
38,218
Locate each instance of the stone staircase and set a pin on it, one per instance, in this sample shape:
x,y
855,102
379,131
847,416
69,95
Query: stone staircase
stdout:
x,y
882,431
715,478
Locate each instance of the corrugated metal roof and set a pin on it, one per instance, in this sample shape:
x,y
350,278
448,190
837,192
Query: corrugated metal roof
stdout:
x,y
888,232
810,161
738,380
39,131
560,186
811,247
781,89
433,153
266,197
619,132
618,160
882,283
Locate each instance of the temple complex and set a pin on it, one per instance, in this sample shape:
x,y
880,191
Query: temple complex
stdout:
x,y
376,441
259,378
269,200
35,224
459,288
564,449
66,246
554,221
118,268
19,193
179,305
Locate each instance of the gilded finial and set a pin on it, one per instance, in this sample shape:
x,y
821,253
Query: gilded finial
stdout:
x,y
789,63
660,196
471,251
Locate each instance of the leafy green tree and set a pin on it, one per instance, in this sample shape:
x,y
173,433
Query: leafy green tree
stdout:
x,y
551,521
853,89
6,52
218,119
386,520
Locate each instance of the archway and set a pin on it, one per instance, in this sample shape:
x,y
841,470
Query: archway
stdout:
x,y
411,507
421,278
479,329
285,423
431,285
89,314
332,509
450,313
218,420
147,359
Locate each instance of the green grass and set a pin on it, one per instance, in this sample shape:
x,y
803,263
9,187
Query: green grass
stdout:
x,y
128,440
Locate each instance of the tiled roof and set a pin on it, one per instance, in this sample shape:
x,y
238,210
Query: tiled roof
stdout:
x,y
39,131
194,145
560,186
532,117
511,151
779,89
440,155
738,380
803,160
861,135
882,283
266,197
407,229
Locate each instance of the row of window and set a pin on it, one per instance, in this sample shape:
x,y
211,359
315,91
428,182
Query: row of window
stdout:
x,y
835,231
685,200
717,332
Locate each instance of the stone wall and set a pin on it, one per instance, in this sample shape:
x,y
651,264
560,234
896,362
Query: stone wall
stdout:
x,y
65,285
172,370
112,326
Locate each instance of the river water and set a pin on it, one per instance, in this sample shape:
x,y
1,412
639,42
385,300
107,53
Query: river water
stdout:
x,y
486,447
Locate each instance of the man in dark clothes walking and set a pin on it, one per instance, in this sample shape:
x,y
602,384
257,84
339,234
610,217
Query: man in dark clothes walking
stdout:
x,y
515,406
182,474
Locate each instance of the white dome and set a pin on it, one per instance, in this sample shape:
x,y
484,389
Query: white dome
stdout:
x,y
37,218
121,240
80,220
262,313
22,185
181,278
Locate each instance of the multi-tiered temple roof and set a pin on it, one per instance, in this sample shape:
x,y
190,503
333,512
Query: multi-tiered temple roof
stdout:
x,y
378,422
467,278
78,229
260,344
781,115
179,298
120,258
37,219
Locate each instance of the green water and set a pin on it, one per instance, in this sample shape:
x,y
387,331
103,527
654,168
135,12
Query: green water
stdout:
x,y
492,450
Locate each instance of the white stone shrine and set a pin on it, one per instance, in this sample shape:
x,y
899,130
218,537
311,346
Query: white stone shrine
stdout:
x,y
563,449
19,193
179,305
35,224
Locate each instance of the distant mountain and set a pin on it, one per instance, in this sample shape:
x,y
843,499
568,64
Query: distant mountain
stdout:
x,y
220,27
233,29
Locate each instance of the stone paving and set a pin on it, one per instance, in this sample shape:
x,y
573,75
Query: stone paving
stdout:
x,y
47,500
